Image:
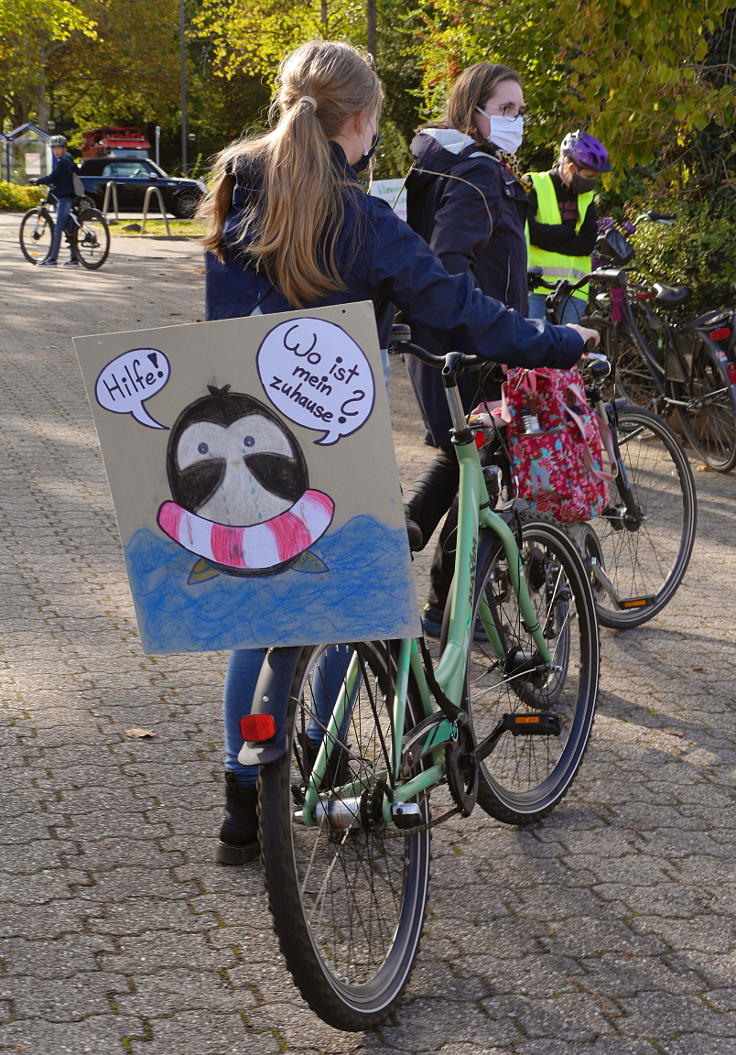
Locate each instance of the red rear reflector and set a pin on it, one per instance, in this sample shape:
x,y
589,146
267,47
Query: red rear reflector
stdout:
x,y
480,439
731,371
257,727
720,335
645,296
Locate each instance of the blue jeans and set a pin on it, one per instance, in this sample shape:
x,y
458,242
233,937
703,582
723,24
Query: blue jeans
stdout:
x,y
240,683
573,308
63,209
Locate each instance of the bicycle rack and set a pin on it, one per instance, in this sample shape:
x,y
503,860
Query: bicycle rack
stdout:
x,y
162,209
106,202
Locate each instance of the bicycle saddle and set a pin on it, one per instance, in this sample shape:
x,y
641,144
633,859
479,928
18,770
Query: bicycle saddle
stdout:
x,y
670,296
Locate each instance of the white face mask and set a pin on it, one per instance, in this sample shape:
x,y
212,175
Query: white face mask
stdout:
x,y
506,135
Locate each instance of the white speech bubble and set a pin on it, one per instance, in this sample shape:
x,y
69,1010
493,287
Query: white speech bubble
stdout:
x,y
317,376
129,380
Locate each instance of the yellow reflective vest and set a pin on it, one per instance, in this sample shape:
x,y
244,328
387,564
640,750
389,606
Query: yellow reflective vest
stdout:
x,y
556,265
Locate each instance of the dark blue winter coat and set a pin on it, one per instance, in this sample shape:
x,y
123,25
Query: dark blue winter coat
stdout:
x,y
381,259
60,179
471,211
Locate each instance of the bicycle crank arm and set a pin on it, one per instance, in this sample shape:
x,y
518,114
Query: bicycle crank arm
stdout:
x,y
544,723
604,584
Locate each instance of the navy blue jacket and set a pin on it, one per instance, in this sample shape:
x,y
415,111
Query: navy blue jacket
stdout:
x,y
381,259
471,210
60,178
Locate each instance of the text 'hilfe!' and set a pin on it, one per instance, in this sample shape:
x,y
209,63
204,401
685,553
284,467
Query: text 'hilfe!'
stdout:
x,y
128,380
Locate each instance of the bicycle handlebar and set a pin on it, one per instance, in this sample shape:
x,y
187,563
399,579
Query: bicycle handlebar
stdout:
x,y
657,217
400,341
602,276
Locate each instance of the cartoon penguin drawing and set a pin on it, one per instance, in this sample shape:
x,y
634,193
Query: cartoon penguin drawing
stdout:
x,y
240,489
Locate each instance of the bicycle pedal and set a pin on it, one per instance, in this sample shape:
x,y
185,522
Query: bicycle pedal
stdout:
x,y
542,724
627,603
406,815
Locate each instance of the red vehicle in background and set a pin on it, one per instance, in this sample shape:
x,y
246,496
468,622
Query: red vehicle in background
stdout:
x,y
115,142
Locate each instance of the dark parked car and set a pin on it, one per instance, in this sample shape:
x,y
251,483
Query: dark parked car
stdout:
x,y
132,176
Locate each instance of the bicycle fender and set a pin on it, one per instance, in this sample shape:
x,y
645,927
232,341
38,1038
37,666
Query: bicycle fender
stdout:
x,y
271,696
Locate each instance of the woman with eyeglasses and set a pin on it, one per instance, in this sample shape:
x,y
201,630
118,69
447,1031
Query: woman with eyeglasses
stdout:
x,y
562,218
288,225
466,201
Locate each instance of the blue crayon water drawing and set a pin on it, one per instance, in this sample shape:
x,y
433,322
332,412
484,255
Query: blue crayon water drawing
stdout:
x,y
365,563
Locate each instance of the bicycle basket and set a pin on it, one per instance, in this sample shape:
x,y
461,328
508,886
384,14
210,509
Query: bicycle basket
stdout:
x,y
611,245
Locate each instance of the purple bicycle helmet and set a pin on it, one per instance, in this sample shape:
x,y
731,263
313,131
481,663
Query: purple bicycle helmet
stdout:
x,y
585,150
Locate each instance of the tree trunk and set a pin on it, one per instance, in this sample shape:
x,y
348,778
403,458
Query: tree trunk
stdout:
x,y
42,102
323,17
370,12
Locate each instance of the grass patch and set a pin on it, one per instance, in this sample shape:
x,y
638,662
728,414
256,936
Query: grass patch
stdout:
x,y
156,228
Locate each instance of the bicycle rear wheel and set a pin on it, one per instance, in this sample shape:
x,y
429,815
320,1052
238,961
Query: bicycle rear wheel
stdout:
x,y
543,716
347,895
92,239
709,424
633,377
36,235
644,551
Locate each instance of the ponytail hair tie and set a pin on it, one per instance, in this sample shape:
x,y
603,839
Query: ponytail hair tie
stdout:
x,y
309,99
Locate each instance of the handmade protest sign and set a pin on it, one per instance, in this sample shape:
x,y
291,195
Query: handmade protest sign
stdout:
x,y
253,475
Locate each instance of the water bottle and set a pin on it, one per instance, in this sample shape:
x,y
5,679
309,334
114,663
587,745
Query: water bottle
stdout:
x,y
529,420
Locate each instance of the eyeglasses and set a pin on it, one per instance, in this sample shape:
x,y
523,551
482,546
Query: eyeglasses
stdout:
x,y
509,112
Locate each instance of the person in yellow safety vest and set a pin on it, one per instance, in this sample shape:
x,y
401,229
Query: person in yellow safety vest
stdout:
x,y
561,228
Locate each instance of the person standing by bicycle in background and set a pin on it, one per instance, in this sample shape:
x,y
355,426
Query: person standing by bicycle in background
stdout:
x,y
465,199
289,226
561,229
61,182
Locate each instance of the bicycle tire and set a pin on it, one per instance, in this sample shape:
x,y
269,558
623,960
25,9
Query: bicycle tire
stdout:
x,y
646,556
35,244
526,776
710,429
92,240
347,903
633,377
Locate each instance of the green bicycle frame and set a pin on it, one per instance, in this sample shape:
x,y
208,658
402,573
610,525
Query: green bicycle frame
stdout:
x,y
473,513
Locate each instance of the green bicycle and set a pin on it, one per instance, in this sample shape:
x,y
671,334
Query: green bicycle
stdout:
x,y
502,719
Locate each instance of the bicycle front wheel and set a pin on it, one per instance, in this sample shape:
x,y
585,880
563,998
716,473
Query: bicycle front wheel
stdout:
x,y
347,894
542,714
36,235
642,546
92,239
709,419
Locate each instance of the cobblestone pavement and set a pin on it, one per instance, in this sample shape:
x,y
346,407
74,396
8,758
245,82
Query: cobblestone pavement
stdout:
x,y
606,930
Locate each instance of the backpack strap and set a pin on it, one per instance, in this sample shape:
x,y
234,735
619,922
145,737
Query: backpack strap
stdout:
x,y
602,473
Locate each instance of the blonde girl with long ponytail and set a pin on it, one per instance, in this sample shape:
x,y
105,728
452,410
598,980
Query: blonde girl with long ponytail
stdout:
x,y
288,226
294,228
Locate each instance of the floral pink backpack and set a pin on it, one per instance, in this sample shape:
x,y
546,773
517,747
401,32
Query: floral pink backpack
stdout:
x,y
561,452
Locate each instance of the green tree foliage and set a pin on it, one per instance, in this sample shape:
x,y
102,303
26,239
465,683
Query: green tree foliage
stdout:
x,y
128,72
633,72
32,35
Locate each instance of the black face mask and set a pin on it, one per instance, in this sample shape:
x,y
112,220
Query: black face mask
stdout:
x,y
580,185
361,163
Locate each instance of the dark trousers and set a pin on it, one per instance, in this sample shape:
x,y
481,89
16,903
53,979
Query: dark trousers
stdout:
x,y
431,495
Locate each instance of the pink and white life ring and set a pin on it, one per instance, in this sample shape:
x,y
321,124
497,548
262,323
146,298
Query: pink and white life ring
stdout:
x,y
255,546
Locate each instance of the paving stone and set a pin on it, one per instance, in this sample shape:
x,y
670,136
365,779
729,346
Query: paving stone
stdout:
x,y
607,929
